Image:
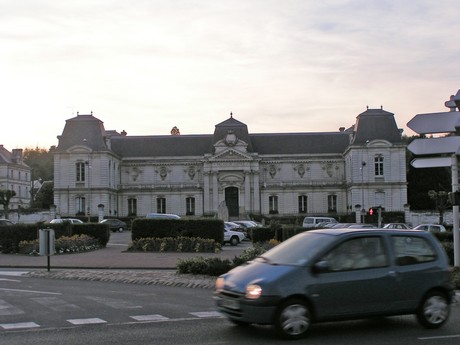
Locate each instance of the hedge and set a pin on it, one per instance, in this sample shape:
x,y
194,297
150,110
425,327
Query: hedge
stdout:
x,y
159,228
12,235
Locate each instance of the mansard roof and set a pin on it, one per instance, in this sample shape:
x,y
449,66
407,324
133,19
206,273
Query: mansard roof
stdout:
x,y
88,130
83,130
232,125
376,124
161,145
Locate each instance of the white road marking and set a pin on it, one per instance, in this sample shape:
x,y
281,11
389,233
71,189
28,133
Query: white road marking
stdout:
x,y
32,291
8,309
114,303
9,280
205,314
19,325
55,304
86,321
13,273
441,337
153,317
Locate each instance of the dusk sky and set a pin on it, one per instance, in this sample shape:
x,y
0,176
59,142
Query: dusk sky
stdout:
x,y
146,66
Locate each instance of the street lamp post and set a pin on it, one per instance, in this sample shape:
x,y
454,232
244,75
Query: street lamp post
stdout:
x,y
363,209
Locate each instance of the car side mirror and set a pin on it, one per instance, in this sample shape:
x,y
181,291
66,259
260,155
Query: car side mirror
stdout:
x,y
321,266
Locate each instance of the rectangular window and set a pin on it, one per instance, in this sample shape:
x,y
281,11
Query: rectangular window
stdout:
x,y
80,173
190,206
302,200
378,165
411,250
332,203
161,205
273,204
80,204
132,207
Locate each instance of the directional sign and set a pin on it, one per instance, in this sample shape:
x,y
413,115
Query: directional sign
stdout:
x,y
434,146
435,162
435,122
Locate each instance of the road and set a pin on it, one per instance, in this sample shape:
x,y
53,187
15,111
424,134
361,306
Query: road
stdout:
x,y
42,311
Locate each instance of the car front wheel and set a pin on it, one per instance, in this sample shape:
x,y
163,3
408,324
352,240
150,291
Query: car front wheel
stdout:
x,y
434,310
234,241
293,319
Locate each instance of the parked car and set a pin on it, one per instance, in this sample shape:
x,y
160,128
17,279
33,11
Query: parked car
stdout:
x,y
337,274
248,224
115,224
431,227
235,227
314,222
397,226
66,220
233,237
162,216
6,222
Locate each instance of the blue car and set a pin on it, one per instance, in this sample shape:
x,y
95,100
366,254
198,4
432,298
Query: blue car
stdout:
x,y
338,274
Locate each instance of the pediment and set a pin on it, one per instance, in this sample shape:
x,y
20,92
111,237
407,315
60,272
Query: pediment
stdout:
x,y
79,149
379,143
231,154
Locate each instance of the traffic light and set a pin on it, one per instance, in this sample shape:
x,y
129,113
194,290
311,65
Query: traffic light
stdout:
x,y
454,198
372,211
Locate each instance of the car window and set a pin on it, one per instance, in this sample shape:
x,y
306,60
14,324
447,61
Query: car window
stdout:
x,y
357,253
412,250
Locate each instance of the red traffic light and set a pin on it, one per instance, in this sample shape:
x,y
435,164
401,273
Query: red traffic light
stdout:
x,y
371,211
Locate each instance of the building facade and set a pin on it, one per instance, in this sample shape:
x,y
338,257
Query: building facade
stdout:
x,y
231,173
15,176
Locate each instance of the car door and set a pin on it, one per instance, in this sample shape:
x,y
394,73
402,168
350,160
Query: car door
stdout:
x,y
354,289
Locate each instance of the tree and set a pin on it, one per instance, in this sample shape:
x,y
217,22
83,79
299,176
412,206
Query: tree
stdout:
x,y
441,202
421,181
40,162
5,197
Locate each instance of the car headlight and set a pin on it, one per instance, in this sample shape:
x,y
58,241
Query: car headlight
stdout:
x,y
253,291
220,284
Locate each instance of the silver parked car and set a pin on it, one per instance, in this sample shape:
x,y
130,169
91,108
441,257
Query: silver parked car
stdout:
x,y
336,274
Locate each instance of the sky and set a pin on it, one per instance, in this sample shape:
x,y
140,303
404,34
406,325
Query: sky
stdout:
x,y
146,66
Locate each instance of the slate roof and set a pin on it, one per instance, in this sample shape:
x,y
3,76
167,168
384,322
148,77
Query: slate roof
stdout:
x,y
376,124
370,125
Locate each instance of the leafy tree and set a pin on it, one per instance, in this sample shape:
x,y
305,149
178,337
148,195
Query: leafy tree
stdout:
x,y
5,197
40,161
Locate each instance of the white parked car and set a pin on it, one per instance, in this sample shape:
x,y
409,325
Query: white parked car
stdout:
x,y
431,227
66,220
233,237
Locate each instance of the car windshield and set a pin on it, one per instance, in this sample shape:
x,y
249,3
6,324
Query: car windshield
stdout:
x,y
297,250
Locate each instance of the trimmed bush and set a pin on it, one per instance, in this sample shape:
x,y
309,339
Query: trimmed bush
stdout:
x,y
160,228
178,244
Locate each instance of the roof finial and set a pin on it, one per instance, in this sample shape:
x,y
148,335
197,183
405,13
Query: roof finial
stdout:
x,y
381,107
367,107
231,115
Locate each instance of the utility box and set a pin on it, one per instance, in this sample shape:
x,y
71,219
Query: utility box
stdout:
x,y
46,241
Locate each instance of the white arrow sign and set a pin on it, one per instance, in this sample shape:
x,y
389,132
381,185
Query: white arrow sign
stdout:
x,y
435,162
435,122
434,146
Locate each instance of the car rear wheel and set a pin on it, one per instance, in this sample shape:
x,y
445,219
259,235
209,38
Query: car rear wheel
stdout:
x,y
234,241
293,319
120,230
434,310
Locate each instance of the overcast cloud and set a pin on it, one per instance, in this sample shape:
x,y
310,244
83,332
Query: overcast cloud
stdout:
x,y
280,66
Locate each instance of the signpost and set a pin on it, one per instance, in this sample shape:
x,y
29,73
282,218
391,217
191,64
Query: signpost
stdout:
x,y
46,243
444,149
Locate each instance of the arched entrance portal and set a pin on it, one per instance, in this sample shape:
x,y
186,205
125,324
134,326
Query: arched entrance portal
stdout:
x,y
231,200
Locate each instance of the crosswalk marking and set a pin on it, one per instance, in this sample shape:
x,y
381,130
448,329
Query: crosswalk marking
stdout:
x,y
86,321
8,309
19,325
205,314
55,304
154,317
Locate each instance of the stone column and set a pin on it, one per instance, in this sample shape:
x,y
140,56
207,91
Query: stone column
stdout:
x,y
206,206
247,192
256,193
215,192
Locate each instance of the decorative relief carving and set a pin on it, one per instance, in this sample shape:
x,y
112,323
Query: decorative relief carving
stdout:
x,y
231,138
301,169
272,170
191,172
134,173
330,169
163,172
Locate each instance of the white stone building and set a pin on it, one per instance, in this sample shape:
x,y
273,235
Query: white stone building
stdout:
x,y
15,176
328,173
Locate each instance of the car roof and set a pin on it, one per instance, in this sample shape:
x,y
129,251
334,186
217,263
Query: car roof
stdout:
x,y
347,231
